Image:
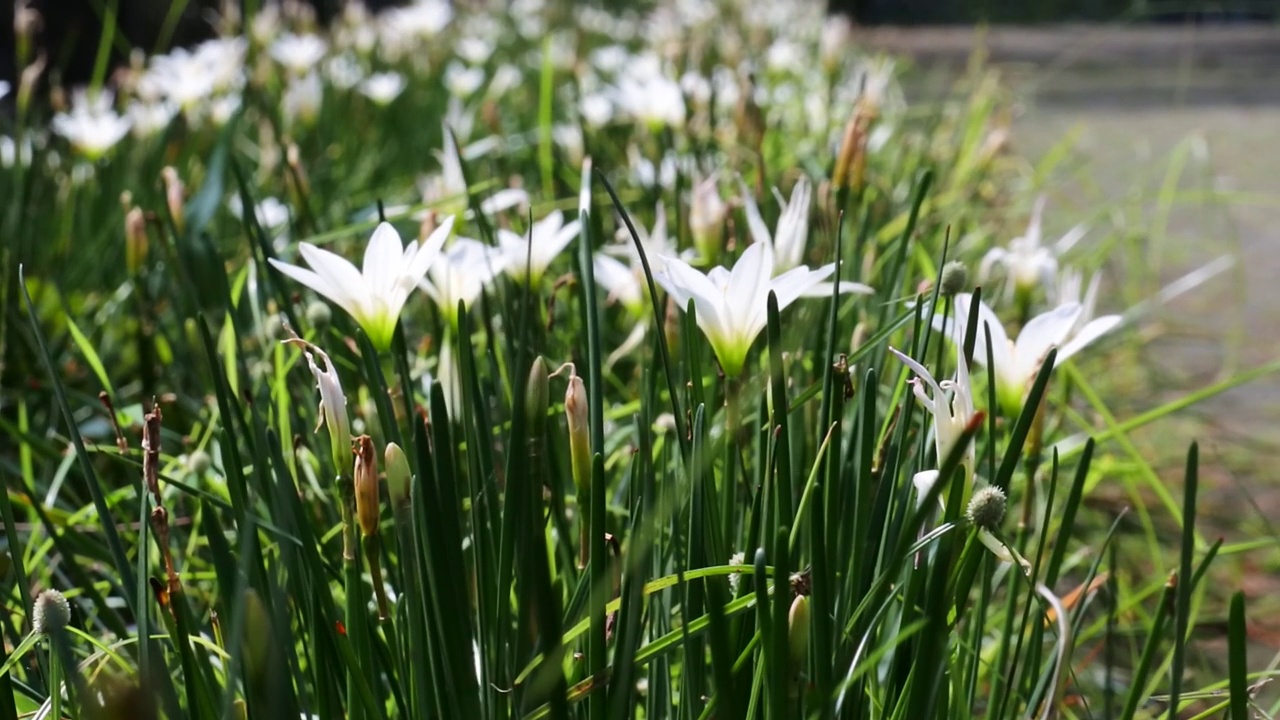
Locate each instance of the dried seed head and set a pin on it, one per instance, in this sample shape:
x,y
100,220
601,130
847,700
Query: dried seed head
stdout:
x,y
51,613
366,482
954,278
986,509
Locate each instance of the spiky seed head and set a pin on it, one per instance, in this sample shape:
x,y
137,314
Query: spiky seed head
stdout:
x,y
954,278
986,509
52,612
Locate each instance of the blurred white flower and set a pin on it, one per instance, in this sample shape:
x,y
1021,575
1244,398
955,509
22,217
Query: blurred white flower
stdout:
x,y
91,126
1026,262
707,212
732,305
302,99
4,89
299,54
596,109
343,71
460,275
526,259
647,95
475,50
149,118
270,212
222,108
462,80
375,295
383,87
14,152
505,78
788,244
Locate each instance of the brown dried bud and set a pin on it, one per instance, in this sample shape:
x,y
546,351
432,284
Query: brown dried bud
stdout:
x,y
366,486
173,195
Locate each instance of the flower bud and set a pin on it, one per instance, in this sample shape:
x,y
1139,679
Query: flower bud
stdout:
x,y
575,410
135,239
257,638
986,509
51,612
798,632
398,475
366,481
173,195
954,278
706,219
536,398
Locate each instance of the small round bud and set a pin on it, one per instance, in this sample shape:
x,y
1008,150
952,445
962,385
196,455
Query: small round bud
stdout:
x,y
954,278
319,314
798,631
199,462
986,509
51,613
398,475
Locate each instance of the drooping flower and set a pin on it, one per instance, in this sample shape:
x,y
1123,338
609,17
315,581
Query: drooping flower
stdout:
x,y
374,295
526,259
732,305
333,404
1017,363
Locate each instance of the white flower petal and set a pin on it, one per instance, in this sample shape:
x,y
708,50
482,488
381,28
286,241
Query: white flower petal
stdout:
x,y
1046,330
1091,331
383,257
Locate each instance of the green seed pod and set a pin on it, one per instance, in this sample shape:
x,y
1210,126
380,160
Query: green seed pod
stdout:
x,y
986,509
954,278
576,412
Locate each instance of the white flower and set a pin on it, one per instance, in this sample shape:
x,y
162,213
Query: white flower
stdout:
x,y
596,109
375,295
527,259
460,275
1017,363
91,126
1027,263
4,89
732,306
299,54
302,98
383,87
